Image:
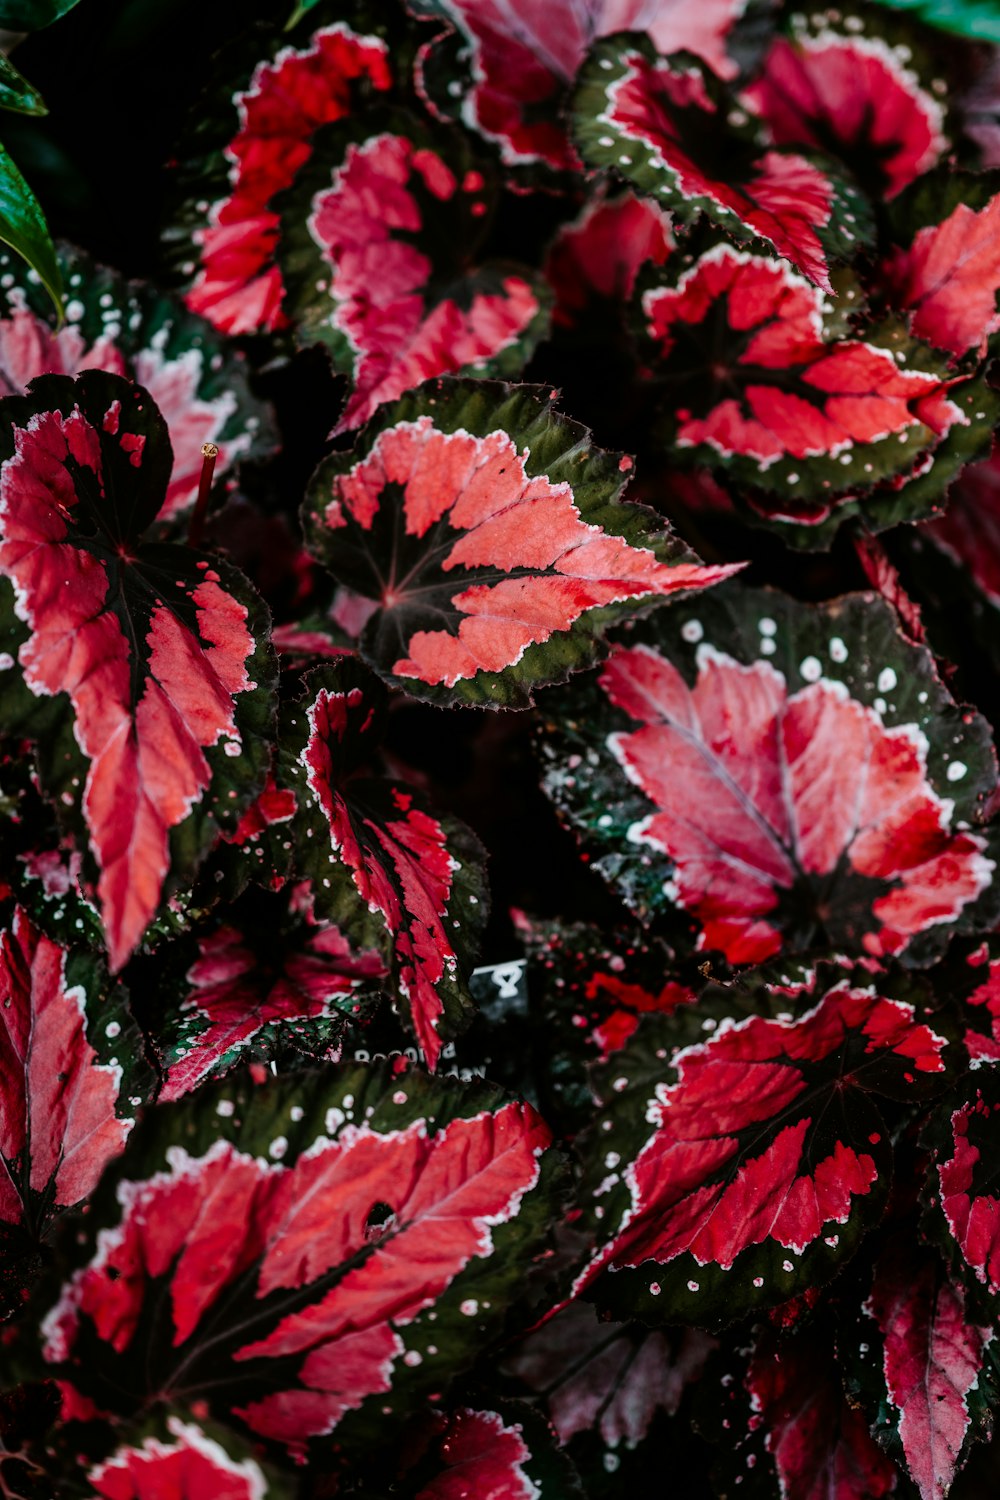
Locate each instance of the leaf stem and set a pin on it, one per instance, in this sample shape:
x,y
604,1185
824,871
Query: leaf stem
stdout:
x,y
209,453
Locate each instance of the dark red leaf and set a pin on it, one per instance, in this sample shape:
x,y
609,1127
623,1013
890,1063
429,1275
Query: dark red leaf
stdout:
x,y
599,254
183,1461
150,660
237,284
72,1075
670,128
515,551
745,1167
483,1455
397,877
378,244
853,92
969,531
932,1361
790,776
244,987
965,1203
818,1443
946,275
126,327
522,57
309,1257
761,377
606,1378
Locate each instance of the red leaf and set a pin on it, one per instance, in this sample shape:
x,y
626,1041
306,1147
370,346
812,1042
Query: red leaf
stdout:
x,y
188,1465
668,126
483,1456
524,55
820,1444
932,1359
969,531
949,277
781,388
150,645
756,1171
59,1098
379,241
968,1204
238,285
599,253
233,995
377,1218
495,559
813,784
853,95
402,879
128,328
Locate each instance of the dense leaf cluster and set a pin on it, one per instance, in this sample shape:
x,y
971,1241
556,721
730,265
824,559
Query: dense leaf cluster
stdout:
x,y
499,860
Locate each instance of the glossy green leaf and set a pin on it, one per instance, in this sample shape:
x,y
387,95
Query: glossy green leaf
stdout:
x,y
32,15
979,19
17,93
23,228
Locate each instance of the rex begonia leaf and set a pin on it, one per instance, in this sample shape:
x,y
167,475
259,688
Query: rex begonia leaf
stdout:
x,y
504,1451
785,1426
789,776
665,124
377,252
943,269
517,61
239,160
185,1460
924,1368
255,990
607,1380
599,254
72,1075
490,535
145,675
398,877
851,83
963,1215
760,376
738,1161
307,1258
129,328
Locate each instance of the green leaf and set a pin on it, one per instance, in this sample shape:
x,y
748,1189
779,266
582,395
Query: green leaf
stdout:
x,y
23,227
17,93
979,19
32,15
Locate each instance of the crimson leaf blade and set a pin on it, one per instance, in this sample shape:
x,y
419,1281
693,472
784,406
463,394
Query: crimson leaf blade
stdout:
x,y
515,551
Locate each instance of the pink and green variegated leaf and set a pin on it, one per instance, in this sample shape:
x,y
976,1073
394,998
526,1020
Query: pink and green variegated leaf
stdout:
x,y
763,378
72,1076
259,991
145,674
963,1214
249,144
310,1258
607,1382
377,251
490,536
943,267
784,1426
666,125
398,877
741,1155
504,1451
858,87
598,255
520,60
198,381
178,1459
923,1366
776,777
